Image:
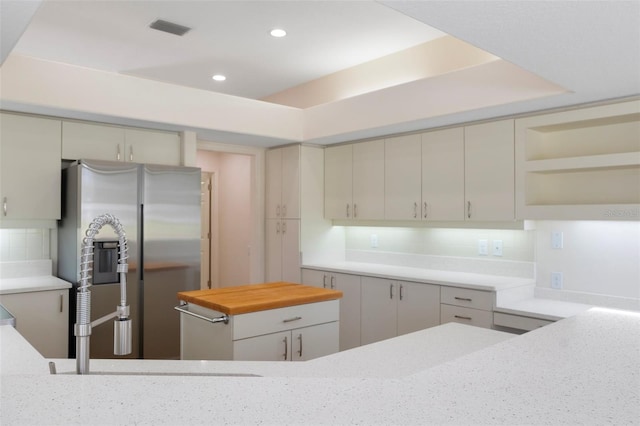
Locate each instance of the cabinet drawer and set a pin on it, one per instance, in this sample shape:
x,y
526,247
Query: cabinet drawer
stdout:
x,y
518,322
475,299
275,320
467,316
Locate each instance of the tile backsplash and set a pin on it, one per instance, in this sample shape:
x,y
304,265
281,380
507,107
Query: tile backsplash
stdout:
x,y
24,244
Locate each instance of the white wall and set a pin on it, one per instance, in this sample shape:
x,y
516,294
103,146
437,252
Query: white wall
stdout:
x,y
24,244
599,257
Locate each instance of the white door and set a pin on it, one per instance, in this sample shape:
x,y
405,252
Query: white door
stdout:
x,y
273,193
368,180
403,178
92,141
273,252
350,306
338,181
314,342
379,309
269,347
443,175
151,147
291,182
418,306
290,232
489,171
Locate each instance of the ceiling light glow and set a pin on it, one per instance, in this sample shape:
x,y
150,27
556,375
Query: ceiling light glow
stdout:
x,y
219,77
278,32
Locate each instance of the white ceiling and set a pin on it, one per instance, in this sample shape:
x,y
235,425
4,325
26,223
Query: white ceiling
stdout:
x,y
591,48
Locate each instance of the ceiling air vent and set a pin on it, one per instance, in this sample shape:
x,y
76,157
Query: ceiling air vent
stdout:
x,y
169,27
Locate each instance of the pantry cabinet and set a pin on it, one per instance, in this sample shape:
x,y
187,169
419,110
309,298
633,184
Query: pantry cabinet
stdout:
x,y
391,308
112,143
354,181
489,176
349,285
30,179
42,318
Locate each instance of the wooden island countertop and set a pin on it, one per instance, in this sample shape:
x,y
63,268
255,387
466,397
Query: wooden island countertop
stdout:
x,y
257,297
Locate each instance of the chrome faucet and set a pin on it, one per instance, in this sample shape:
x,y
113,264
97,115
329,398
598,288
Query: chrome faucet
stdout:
x,y
122,323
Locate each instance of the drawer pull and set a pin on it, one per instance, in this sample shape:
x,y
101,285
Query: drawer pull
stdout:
x,y
461,317
464,299
286,348
292,319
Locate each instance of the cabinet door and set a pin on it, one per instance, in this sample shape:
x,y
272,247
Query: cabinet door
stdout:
x,y
290,232
268,347
379,310
489,171
350,306
314,342
150,147
338,182
92,141
29,167
443,175
368,180
316,278
273,252
403,178
42,318
418,306
273,190
291,182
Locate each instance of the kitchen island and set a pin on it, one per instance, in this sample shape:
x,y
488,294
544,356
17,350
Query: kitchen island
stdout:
x,y
580,370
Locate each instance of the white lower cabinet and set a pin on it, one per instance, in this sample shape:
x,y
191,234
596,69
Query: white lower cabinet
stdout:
x,y
349,285
299,332
283,250
392,308
42,317
466,306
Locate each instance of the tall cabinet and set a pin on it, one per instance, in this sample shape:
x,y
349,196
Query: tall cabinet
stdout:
x,y
291,189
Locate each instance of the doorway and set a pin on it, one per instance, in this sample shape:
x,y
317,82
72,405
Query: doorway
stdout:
x,y
232,238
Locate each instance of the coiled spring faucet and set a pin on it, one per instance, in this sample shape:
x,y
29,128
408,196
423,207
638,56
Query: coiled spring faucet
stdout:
x,y
122,323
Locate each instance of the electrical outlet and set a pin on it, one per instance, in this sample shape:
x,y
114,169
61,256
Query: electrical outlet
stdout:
x,y
556,280
557,240
374,241
497,247
483,247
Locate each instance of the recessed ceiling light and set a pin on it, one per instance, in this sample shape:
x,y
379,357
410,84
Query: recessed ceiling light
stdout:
x,y
219,77
278,32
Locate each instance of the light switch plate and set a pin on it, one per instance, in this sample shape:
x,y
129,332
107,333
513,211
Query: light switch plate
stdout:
x,y
497,247
483,247
374,241
557,240
556,280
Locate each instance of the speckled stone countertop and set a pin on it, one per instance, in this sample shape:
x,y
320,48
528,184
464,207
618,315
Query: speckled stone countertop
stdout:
x,y
582,370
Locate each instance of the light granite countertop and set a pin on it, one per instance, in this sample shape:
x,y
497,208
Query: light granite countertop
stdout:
x,y
581,370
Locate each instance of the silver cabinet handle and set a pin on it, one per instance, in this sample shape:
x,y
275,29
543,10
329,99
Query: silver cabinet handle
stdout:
x,y
464,299
461,317
4,206
61,303
278,210
425,209
118,153
184,310
284,227
355,210
286,348
277,227
347,209
468,209
415,210
390,291
333,282
292,319
284,210
324,281
131,153
300,350
401,287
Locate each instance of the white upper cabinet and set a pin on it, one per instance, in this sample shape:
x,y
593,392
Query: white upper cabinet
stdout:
x,y
354,181
113,143
30,178
368,180
402,178
489,171
580,165
443,175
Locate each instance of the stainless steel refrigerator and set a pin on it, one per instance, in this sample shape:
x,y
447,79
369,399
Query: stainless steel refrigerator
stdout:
x,y
159,207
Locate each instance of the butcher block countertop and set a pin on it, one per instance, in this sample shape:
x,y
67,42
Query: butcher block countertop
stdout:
x,y
258,297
